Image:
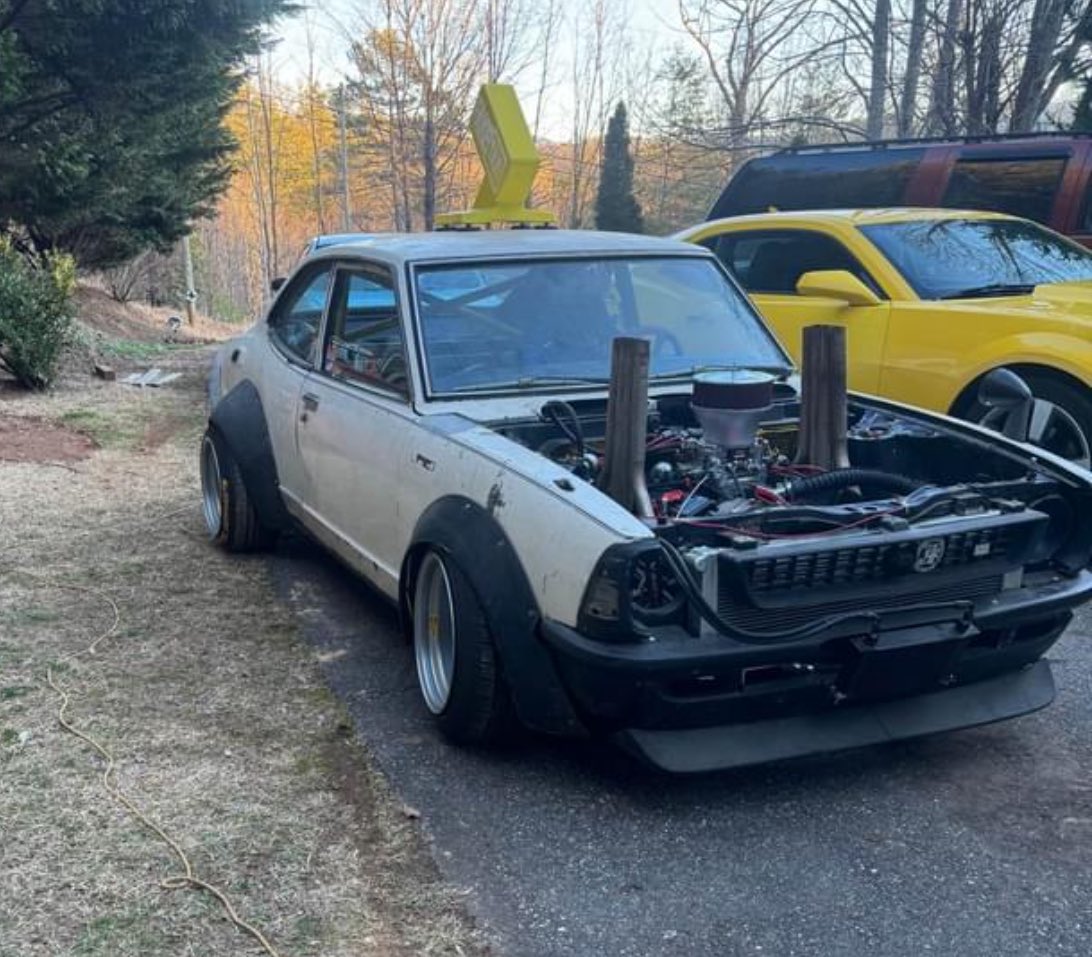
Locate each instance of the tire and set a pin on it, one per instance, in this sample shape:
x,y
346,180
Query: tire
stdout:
x,y
458,669
230,517
1062,419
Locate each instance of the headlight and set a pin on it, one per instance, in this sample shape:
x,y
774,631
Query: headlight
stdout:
x,y
632,589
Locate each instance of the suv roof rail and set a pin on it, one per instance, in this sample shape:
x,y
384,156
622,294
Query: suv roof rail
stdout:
x,y
931,141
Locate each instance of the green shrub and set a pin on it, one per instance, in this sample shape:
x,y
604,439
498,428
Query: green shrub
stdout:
x,y
35,314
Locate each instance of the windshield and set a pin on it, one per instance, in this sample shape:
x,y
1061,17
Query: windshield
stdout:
x,y
950,258
524,324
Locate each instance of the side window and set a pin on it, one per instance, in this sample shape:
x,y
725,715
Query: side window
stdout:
x,y
820,179
365,342
1020,187
773,261
1085,225
295,320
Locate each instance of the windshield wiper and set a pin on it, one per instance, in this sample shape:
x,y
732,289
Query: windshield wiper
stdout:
x,y
530,381
721,367
993,289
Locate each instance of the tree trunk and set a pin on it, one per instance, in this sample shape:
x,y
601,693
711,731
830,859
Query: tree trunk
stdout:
x,y
909,97
1046,27
881,34
942,117
428,164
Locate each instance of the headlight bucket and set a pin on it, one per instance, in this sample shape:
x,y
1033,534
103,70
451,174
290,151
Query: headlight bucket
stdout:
x,y
631,590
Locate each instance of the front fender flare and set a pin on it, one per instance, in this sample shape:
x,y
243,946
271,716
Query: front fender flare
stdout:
x,y
469,535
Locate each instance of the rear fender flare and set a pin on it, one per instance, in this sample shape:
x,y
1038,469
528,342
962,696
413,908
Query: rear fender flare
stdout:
x,y
466,533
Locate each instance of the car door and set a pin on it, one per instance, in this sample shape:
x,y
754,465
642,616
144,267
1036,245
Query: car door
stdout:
x,y
768,264
294,323
355,420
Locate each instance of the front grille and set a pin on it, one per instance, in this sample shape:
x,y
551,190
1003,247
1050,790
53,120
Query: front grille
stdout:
x,y
869,563
769,620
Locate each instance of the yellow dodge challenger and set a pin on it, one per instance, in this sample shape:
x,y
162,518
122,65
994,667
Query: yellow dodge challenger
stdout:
x,y
932,300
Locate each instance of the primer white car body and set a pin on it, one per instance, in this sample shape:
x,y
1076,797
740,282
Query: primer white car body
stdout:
x,y
432,409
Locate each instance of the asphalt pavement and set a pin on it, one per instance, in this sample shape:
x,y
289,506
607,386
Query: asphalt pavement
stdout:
x,y
973,843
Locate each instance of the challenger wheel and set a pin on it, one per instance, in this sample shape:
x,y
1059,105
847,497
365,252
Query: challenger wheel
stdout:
x,y
458,670
1061,419
230,517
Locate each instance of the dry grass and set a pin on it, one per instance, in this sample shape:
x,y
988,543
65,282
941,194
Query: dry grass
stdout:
x,y
139,322
219,719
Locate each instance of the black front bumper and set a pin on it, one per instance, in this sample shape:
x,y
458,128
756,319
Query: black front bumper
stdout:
x,y
775,739
698,703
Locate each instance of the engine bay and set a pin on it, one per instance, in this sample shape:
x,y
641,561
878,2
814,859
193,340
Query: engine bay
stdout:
x,y
900,472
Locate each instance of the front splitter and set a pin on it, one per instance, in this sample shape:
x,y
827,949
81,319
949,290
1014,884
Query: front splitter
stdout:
x,y
732,746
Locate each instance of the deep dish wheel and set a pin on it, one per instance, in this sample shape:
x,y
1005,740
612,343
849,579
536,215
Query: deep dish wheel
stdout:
x,y
230,517
458,670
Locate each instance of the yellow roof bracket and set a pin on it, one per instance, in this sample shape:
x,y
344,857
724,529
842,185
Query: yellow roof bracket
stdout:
x,y
510,161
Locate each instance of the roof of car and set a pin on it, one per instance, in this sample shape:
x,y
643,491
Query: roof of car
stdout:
x,y
486,244
867,217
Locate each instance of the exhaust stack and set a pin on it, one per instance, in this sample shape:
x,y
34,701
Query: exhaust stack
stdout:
x,y
623,474
824,403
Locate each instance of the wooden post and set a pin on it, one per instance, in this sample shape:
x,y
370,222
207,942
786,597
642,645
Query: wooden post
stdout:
x,y
343,151
824,407
191,292
623,475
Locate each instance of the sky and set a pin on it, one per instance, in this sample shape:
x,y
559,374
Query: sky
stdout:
x,y
651,27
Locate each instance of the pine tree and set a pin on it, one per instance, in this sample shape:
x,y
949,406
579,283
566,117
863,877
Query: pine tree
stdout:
x,y
616,208
111,118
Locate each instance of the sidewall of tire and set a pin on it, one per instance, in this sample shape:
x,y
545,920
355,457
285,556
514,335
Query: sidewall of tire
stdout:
x,y
478,709
240,528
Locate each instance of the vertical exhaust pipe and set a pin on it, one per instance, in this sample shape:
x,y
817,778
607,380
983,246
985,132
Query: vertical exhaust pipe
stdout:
x,y
623,474
823,401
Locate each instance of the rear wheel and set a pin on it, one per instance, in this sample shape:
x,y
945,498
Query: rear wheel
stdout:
x,y
230,517
1061,419
458,670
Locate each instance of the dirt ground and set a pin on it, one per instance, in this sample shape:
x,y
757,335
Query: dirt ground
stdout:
x,y
221,725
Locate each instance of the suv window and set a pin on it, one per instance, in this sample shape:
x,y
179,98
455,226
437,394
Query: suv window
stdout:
x,y
820,180
365,343
1020,187
296,317
773,261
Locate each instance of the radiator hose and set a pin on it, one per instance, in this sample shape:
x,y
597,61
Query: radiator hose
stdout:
x,y
838,479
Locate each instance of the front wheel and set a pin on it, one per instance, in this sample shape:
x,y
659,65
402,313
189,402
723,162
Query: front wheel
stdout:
x,y
1061,418
458,670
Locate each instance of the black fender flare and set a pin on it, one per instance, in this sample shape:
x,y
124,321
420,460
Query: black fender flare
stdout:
x,y
239,420
470,536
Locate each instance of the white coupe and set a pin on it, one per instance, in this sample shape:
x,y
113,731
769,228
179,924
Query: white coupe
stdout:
x,y
434,409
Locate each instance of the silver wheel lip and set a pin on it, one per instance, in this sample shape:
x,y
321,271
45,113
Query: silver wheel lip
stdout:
x,y
211,481
434,652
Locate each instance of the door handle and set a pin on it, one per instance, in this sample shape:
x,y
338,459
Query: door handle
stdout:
x,y
310,404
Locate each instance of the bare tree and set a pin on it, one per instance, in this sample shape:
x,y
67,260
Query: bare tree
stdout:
x,y
549,23
877,89
1047,21
751,49
418,65
942,109
313,108
908,95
